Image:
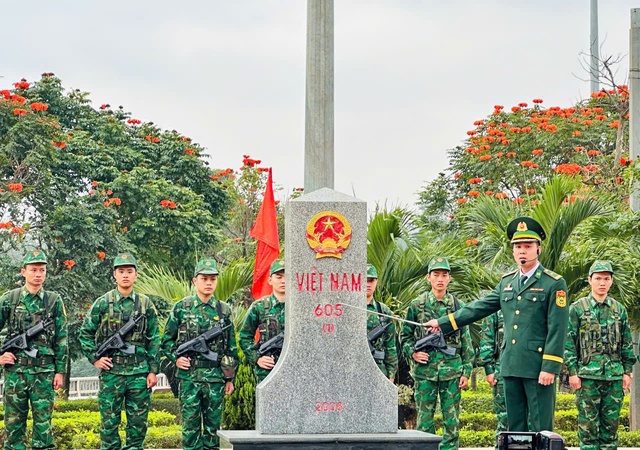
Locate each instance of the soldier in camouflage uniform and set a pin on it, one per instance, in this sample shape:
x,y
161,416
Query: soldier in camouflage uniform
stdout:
x,y
385,345
265,316
32,378
435,373
599,356
491,342
124,377
203,383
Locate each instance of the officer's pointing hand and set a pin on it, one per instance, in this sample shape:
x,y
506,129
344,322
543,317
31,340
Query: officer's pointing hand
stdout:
x,y
7,358
575,382
103,363
183,363
546,378
432,325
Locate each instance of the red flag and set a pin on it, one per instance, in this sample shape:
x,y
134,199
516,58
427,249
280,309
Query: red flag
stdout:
x,y
265,230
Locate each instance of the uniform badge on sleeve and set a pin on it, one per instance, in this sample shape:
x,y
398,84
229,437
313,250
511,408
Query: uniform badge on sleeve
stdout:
x,y
561,299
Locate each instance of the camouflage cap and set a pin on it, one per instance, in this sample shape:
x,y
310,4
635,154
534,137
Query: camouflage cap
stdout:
x,y
276,266
206,266
34,257
439,263
525,229
125,259
372,272
601,266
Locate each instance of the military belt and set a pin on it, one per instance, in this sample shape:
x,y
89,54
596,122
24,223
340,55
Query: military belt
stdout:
x,y
128,360
204,363
41,361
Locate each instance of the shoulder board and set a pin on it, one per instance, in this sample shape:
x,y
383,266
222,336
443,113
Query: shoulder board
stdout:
x,y
509,273
552,274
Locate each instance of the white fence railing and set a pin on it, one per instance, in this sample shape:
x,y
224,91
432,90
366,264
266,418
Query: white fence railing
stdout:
x,y
87,387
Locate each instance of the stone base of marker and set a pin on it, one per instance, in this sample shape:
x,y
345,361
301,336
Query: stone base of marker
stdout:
x,y
402,440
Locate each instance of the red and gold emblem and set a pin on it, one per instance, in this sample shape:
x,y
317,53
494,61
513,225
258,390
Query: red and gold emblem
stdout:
x,y
328,234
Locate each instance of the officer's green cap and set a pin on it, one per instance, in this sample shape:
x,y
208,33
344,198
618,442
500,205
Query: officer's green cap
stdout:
x,y
276,266
439,263
525,229
206,266
125,259
34,257
372,272
601,266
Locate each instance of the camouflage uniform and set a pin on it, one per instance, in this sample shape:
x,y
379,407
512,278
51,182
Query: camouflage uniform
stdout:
x,y
201,389
599,350
441,375
267,316
491,343
30,380
385,343
126,381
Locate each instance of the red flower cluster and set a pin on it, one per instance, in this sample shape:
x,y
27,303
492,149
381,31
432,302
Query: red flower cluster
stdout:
x,y
462,201
593,152
625,162
22,84
6,93
248,162
6,225
537,101
60,145
537,151
501,195
475,180
20,112
134,121
17,187
104,106
39,106
457,175
471,242
101,255
153,139
113,201
568,169
168,204
189,151
17,230
186,139
222,173
69,263
485,157
518,200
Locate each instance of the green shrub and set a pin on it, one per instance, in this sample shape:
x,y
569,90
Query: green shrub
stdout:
x,y
239,407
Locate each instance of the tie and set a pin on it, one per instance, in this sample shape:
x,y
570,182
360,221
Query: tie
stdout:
x,y
523,281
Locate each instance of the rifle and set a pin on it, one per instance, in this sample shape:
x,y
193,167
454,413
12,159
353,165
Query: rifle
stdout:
x,y
116,341
272,347
434,341
373,336
200,344
22,341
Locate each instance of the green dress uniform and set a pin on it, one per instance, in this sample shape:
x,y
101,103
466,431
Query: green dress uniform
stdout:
x,y
490,347
126,381
440,376
267,316
535,325
385,343
201,387
599,350
30,380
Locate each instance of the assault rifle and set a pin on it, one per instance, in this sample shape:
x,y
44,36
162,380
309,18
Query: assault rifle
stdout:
x,y
22,341
434,341
373,336
116,341
272,347
200,344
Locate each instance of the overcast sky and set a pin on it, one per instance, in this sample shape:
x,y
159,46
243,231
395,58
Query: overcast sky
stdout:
x,y
411,76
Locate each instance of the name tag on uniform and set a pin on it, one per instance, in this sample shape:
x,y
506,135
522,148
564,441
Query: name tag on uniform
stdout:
x,y
536,289
508,288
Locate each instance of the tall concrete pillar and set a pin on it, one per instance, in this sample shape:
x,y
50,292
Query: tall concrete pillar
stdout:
x,y
318,148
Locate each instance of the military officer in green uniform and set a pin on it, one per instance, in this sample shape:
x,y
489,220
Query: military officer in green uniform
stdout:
x,y
490,347
265,316
385,353
435,373
533,301
126,375
203,382
599,356
32,375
